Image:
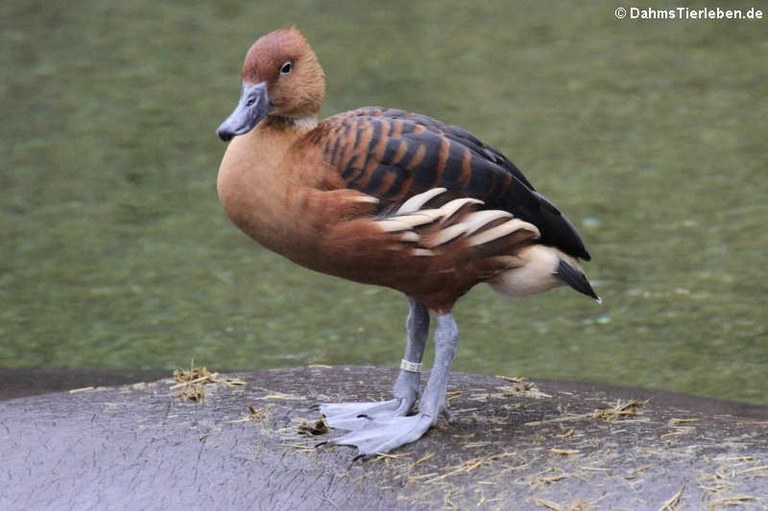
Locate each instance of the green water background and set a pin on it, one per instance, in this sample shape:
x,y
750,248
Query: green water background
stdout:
x,y
651,135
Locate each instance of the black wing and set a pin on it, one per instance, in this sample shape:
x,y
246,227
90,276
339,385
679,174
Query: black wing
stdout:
x,y
393,154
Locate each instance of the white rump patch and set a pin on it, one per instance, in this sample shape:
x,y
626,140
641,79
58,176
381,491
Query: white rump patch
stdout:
x,y
532,273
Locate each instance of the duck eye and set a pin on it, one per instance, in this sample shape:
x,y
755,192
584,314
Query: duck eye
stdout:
x,y
286,68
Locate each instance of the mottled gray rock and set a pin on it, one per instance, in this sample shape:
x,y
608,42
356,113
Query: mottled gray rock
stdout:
x,y
511,446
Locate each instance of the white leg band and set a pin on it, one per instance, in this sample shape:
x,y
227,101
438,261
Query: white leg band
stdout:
x,y
413,367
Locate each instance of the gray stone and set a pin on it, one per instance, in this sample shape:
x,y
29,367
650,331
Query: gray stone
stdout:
x,y
512,445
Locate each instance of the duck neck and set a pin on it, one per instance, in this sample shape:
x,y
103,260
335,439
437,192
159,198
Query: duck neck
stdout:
x,y
300,124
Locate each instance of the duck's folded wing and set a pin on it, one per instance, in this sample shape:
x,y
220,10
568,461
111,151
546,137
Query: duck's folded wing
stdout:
x,y
393,155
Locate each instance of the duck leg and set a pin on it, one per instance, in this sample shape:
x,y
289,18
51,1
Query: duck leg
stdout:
x,y
381,434
406,390
417,330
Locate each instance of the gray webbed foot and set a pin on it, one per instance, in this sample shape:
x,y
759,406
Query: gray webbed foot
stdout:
x,y
353,416
383,435
376,428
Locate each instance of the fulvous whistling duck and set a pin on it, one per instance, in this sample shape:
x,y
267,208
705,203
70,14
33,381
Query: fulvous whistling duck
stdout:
x,y
391,198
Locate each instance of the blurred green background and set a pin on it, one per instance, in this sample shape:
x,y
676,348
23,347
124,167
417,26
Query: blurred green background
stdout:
x,y
650,135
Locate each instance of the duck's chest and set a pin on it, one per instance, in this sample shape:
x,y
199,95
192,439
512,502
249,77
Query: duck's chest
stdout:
x,y
272,195
251,188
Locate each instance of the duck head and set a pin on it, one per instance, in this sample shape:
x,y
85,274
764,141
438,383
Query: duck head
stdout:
x,y
282,78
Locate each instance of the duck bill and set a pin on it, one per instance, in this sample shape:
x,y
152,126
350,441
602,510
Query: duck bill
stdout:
x,y
576,279
252,107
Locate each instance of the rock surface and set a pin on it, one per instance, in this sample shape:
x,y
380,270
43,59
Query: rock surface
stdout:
x,y
249,444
